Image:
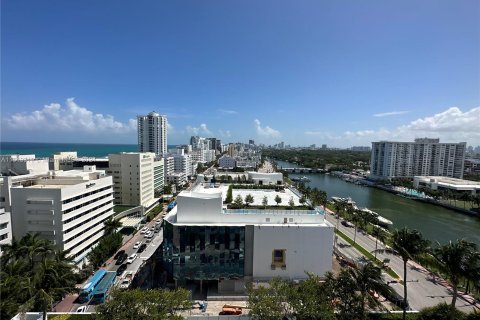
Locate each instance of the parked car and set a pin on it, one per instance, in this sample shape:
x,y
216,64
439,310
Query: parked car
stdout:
x,y
125,284
132,258
346,224
142,248
137,244
119,253
121,259
121,269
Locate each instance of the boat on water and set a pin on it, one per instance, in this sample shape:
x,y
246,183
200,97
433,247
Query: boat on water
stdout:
x,y
344,200
301,179
381,221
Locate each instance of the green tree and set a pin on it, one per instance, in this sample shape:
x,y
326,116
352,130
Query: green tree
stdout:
x,y
248,199
455,258
302,200
145,304
111,225
368,278
407,243
348,303
35,277
229,197
106,247
265,201
311,299
379,234
167,189
278,200
356,219
291,203
238,202
441,311
268,302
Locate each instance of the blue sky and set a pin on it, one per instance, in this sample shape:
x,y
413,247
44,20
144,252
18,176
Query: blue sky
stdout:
x,y
337,72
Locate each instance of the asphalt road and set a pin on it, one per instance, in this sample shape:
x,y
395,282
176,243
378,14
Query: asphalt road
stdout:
x,y
69,304
424,290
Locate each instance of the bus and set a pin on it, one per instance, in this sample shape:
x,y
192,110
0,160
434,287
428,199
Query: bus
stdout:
x,y
89,288
171,205
101,292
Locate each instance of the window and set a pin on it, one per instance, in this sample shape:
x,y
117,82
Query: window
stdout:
x,y
278,258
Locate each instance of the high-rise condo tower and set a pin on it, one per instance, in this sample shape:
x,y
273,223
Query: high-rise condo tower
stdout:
x,y
152,133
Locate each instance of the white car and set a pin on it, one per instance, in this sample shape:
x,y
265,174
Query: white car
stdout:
x,y
125,284
150,235
137,244
144,230
132,258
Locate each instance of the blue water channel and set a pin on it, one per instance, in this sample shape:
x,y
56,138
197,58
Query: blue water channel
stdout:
x,y
436,223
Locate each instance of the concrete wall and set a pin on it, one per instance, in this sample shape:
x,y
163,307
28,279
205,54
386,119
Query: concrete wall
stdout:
x,y
308,248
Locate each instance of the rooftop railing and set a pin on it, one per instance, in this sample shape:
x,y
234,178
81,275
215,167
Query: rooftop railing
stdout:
x,y
274,212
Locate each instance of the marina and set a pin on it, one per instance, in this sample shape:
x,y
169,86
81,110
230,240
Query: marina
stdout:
x,y
436,223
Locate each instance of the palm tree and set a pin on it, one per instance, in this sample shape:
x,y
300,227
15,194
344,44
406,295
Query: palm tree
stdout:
x,y
368,278
455,258
11,252
111,225
407,243
33,247
356,219
379,235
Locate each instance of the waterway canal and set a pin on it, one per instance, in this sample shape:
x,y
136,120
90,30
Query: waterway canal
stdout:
x,y
436,223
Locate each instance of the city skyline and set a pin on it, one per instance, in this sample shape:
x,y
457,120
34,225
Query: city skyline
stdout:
x,y
309,73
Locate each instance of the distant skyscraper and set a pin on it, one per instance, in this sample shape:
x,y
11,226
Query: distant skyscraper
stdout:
x,y
152,133
424,157
251,142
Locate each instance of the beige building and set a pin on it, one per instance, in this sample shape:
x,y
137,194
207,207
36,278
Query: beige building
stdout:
x,y
133,178
66,207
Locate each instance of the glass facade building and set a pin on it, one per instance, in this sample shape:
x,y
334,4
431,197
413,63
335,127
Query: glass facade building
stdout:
x,y
204,252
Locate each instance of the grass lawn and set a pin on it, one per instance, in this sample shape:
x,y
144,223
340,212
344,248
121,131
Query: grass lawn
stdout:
x,y
367,254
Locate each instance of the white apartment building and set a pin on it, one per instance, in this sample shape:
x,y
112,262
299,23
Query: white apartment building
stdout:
x,y
133,178
177,178
183,163
66,207
169,165
20,164
227,162
447,183
204,241
423,157
152,133
5,228
5,211
158,174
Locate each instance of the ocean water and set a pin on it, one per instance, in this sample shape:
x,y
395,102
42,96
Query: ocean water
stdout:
x,y
42,150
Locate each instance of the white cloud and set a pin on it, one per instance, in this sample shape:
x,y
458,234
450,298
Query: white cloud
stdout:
x,y
451,125
450,120
202,129
391,113
225,133
68,118
227,112
266,131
